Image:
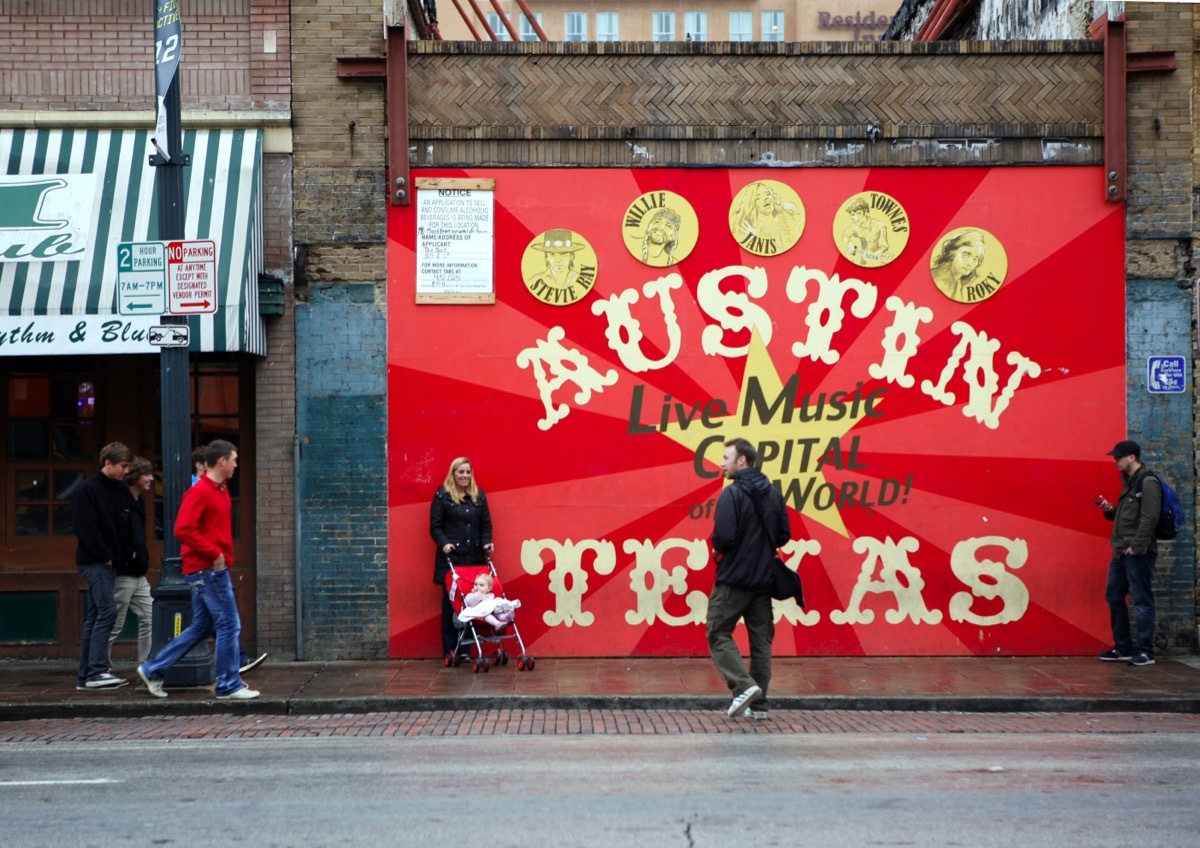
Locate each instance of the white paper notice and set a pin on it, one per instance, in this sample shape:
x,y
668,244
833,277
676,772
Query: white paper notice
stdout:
x,y
455,242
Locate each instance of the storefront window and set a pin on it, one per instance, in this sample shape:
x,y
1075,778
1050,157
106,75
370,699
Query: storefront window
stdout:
x,y
51,440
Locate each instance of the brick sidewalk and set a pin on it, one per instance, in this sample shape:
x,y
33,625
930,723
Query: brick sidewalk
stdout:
x,y
579,723
1022,684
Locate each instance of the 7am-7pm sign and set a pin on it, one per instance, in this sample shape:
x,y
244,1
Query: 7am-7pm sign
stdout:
x,y
141,278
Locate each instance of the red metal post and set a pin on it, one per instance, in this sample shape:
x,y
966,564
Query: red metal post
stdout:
x,y
399,178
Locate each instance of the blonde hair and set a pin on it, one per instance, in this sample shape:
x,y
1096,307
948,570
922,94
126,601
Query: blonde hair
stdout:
x,y
452,488
486,578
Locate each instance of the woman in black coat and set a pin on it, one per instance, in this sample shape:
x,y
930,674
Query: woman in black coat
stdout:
x,y
460,524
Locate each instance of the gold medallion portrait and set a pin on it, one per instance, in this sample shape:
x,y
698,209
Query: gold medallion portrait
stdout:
x,y
660,229
968,265
871,229
559,267
766,217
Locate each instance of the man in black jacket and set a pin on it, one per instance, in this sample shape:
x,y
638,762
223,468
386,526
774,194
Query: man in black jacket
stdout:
x,y
103,542
750,524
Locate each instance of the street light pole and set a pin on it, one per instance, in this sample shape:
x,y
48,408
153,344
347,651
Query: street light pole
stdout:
x,y
172,595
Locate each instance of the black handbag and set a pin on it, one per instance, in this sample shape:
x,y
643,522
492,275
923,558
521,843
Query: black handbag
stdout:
x,y
785,583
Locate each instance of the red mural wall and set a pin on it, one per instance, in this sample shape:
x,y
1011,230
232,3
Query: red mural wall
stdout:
x,y
930,361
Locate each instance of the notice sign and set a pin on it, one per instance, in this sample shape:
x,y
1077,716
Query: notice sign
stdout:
x,y
191,277
455,241
141,278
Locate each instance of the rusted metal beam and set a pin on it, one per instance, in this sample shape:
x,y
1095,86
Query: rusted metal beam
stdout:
x,y
399,178
1116,168
512,31
943,15
1150,61
354,67
537,28
462,13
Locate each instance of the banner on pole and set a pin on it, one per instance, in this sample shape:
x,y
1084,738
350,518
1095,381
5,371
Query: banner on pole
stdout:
x,y
168,40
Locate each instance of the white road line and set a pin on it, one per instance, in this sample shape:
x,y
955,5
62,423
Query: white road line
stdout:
x,y
58,782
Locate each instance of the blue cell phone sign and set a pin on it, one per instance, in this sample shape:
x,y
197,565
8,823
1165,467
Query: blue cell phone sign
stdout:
x,y
1166,375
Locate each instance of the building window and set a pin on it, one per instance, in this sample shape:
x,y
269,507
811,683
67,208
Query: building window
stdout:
x,y
741,26
664,26
695,26
497,26
575,26
607,26
772,26
525,28
52,443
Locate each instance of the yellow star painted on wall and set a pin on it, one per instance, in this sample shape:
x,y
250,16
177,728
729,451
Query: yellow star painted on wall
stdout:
x,y
793,452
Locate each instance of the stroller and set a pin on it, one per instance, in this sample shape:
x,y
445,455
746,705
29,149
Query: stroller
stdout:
x,y
476,633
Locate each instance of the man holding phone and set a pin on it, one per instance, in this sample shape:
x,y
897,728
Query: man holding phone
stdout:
x,y
1134,554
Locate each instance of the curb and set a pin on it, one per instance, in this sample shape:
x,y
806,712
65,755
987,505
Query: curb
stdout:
x,y
147,708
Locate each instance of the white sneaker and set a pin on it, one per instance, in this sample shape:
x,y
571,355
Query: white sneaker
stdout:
x,y
154,687
252,664
243,694
757,715
104,681
742,702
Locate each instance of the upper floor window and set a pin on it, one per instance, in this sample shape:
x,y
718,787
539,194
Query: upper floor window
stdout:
x,y
741,26
772,26
497,26
664,26
695,25
525,28
607,26
575,26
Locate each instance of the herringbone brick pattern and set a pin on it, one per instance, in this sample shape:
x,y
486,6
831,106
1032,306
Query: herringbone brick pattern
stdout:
x,y
532,94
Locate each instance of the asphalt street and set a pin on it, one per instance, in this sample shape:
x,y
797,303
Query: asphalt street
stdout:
x,y
1029,785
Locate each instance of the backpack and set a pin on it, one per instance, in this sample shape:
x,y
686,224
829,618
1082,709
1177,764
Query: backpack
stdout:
x,y
1170,519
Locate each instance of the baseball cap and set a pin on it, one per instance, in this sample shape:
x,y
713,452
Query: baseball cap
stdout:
x,y
1126,448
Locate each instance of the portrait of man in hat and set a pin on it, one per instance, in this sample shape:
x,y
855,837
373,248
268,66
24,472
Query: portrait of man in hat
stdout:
x,y
550,270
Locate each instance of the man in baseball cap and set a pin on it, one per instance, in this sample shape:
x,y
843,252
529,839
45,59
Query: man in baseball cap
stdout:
x,y
1134,553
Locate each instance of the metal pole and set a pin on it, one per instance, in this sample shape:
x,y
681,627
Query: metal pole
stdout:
x,y
172,595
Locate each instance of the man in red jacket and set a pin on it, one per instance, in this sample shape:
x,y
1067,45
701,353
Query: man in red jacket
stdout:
x,y
204,528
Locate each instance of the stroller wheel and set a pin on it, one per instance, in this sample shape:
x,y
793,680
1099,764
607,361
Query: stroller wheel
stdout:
x,y
487,666
521,662
458,658
529,661
503,658
476,666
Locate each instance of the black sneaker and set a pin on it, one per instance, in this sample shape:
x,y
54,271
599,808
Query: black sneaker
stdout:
x,y
251,664
1141,658
1115,655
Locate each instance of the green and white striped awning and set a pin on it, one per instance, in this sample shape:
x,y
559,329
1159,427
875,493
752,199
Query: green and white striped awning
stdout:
x,y
68,197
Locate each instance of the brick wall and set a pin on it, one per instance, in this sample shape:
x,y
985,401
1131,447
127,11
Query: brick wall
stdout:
x,y
1160,227
99,54
341,334
341,406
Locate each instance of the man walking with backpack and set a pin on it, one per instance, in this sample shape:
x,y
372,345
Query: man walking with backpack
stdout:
x,y
750,523
1135,551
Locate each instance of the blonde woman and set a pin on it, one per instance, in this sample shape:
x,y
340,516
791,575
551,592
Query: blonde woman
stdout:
x,y
461,525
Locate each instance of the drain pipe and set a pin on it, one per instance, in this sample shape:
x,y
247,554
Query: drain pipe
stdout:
x,y
298,568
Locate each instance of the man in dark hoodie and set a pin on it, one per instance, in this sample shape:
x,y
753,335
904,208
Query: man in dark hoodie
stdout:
x,y
750,524
102,534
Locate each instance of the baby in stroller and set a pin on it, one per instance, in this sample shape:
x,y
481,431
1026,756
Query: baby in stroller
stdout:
x,y
480,602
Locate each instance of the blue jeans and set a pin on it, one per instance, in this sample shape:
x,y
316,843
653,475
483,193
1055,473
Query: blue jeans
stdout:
x,y
214,611
1132,575
101,613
